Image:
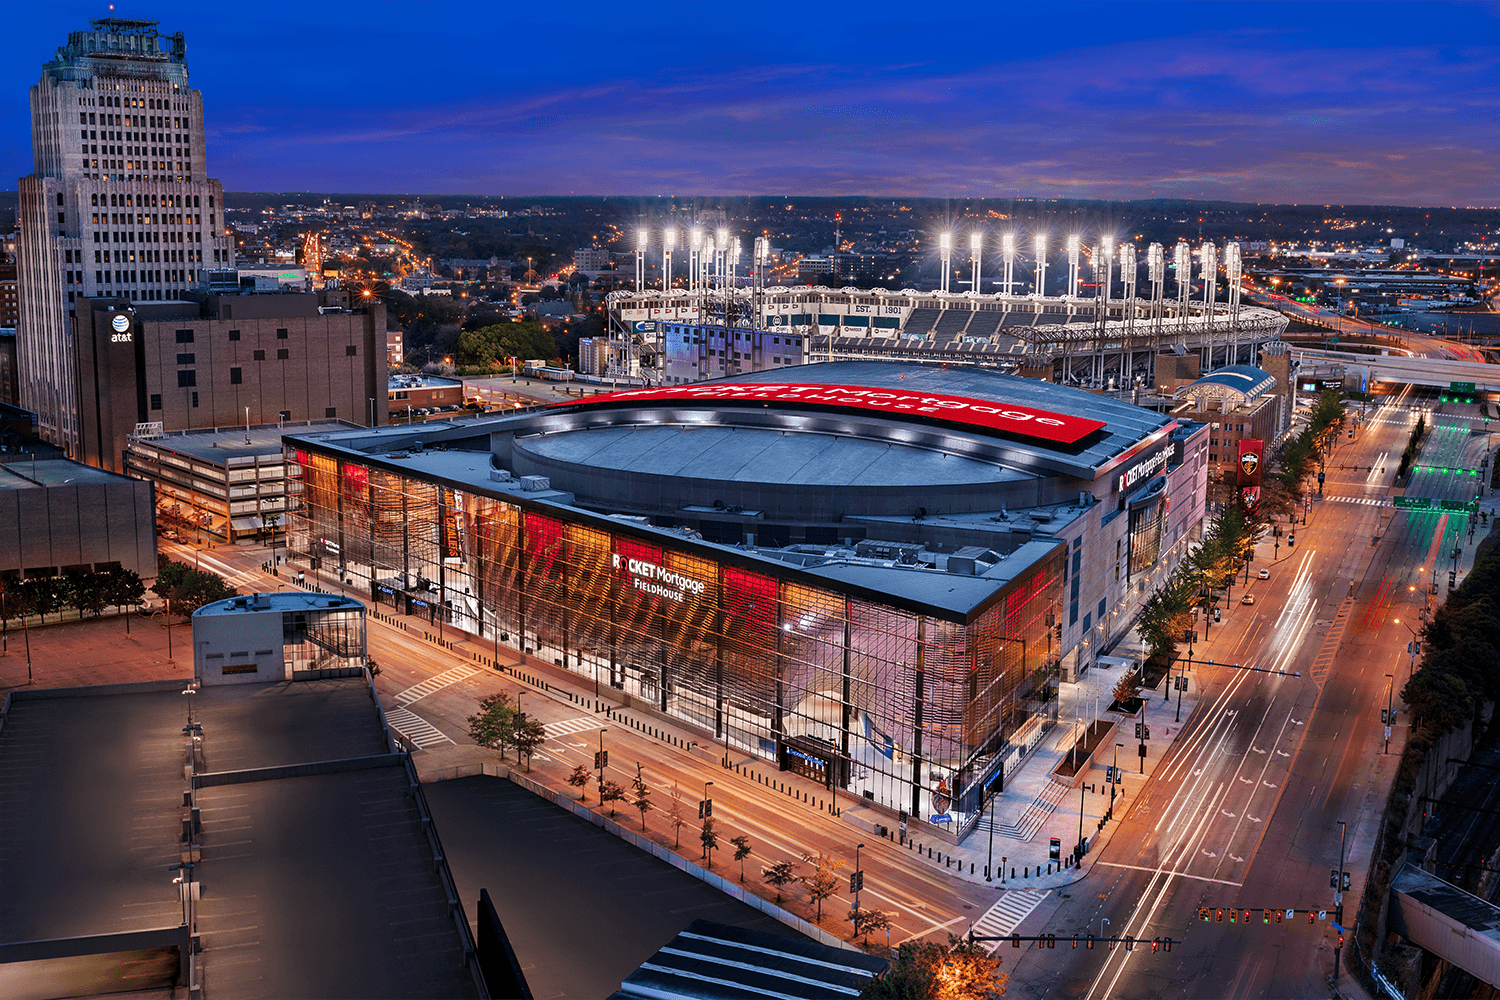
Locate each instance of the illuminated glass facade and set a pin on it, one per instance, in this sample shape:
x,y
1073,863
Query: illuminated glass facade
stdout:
x,y
904,705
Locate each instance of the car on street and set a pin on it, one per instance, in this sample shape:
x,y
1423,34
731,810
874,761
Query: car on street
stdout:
x,y
1248,599
1264,574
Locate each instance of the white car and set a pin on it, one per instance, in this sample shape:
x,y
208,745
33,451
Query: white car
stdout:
x,y
1248,599
1264,574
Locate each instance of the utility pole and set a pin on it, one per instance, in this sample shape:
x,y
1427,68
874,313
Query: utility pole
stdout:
x,y
1338,904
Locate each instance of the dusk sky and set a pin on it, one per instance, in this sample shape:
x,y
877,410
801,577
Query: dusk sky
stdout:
x,y
1300,102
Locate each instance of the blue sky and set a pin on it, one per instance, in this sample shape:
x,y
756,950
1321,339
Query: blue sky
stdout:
x,y
1385,103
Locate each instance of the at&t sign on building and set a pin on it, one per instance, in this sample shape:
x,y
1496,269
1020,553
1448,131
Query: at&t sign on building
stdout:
x,y
874,573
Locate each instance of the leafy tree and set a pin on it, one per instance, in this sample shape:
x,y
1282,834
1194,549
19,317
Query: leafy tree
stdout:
x,y
642,800
43,594
676,816
741,852
865,921
580,779
85,591
823,882
494,726
124,589
780,875
610,793
16,602
926,969
528,735
491,346
187,588
709,837
1127,687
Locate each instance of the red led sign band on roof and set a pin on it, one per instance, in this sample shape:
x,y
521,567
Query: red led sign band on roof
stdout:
x,y
1024,421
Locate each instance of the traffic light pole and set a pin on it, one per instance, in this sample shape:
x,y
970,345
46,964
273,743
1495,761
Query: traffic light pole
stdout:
x,y
1338,905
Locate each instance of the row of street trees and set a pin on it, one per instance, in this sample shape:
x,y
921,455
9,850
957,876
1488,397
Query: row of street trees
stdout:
x,y
1233,527
89,592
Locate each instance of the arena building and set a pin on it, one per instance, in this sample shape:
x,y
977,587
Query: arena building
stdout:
x,y
873,573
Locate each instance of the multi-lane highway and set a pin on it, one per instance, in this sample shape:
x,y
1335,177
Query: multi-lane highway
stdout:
x,y
1244,812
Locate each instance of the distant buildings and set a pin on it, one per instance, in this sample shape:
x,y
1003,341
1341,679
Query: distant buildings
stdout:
x,y
119,202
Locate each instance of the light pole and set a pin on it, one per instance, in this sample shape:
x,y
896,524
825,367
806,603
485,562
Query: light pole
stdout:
x,y
599,762
859,881
1114,780
1338,903
989,867
1389,692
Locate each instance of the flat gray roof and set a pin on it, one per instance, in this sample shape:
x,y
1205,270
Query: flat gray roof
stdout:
x,y
322,884
44,472
219,444
293,600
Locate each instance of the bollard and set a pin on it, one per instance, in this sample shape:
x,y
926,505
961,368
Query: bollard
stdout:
x,y
971,868
1012,872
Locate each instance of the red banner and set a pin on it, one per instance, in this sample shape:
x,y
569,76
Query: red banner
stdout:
x,y
1249,452
1023,421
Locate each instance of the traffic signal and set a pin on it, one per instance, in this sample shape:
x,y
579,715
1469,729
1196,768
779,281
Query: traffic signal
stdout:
x,y
1247,916
1346,881
1166,944
1129,943
1333,879
1203,913
1051,940
1341,941
1015,940
1278,916
1231,916
1090,943
1139,730
1384,719
1265,916
1312,917
1155,945
1219,916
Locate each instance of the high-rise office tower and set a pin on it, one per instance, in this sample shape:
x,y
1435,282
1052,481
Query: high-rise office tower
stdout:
x,y
119,203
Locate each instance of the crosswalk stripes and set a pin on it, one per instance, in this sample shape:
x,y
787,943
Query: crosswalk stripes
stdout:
x,y
570,726
1326,653
434,684
1006,915
422,733
1371,501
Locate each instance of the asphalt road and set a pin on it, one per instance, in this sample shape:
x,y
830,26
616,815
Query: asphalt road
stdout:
x,y
1244,811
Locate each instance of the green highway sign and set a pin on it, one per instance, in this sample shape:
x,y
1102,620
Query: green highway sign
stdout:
x,y
1412,502
1460,386
1465,505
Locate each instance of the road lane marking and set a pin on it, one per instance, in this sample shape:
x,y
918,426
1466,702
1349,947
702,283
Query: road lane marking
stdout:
x,y
1006,915
421,732
434,684
1196,878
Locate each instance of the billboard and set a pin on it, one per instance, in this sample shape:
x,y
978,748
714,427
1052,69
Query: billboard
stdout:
x,y
1022,421
1249,453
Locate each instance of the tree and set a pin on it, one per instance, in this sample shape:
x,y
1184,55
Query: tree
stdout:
x,y
741,852
780,875
187,588
491,346
676,816
42,594
823,882
865,921
709,837
125,590
642,799
580,779
962,970
86,591
610,793
494,725
1127,687
528,736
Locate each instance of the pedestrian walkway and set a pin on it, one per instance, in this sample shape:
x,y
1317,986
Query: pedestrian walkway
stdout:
x,y
422,734
1371,501
1006,915
434,684
569,726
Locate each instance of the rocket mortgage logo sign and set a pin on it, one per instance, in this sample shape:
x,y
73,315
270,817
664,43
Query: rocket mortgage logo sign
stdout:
x,y
1024,421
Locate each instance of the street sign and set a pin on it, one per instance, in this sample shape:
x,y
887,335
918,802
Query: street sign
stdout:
x,y
601,759
856,881
1460,386
1322,914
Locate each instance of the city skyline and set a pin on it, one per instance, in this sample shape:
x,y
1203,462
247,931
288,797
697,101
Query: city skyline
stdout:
x,y
1270,102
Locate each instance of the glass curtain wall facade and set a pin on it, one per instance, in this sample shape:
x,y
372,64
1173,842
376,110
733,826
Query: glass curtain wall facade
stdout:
x,y
905,710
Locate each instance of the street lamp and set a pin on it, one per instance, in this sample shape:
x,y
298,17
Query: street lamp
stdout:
x,y
1389,693
858,882
599,761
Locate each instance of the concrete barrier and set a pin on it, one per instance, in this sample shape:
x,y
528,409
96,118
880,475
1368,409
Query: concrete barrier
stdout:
x,y
215,778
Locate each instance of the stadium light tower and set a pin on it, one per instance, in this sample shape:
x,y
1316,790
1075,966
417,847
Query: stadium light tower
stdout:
x,y
762,258
976,254
1073,247
945,254
668,241
1182,269
1232,272
1127,278
1008,248
641,238
1041,265
695,258
1104,262
1208,261
1156,272
722,261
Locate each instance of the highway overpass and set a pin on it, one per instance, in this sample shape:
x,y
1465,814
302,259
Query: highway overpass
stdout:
x,y
1436,372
